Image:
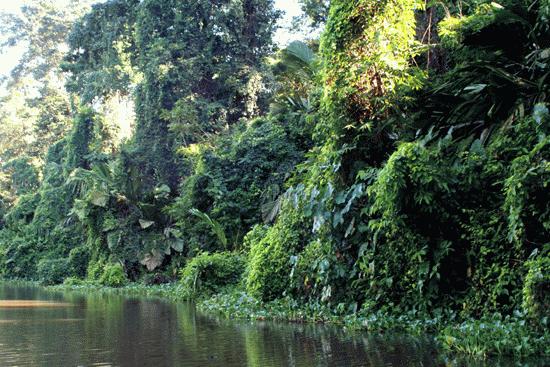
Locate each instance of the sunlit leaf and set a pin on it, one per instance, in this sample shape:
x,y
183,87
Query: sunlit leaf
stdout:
x,y
144,224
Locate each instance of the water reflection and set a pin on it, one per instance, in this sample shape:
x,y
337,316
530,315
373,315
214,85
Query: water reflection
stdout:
x,y
108,330
29,304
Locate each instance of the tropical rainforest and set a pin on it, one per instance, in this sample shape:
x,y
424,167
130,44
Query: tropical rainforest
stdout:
x,y
397,165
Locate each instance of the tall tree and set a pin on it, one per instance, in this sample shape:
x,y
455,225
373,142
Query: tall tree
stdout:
x,y
314,13
42,28
193,65
35,112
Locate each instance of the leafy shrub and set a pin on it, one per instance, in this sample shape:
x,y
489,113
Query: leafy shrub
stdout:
x,y
405,259
253,236
53,271
79,257
269,258
437,219
536,289
19,255
207,273
23,212
121,220
73,281
113,275
319,273
95,269
234,181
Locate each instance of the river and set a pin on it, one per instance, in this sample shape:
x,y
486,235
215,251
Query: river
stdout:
x,y
39,327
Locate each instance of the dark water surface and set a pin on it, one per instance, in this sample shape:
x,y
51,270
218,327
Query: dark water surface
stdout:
x,y
68,329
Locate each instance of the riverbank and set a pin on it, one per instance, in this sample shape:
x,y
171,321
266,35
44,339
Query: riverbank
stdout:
x,y
110,329
495,335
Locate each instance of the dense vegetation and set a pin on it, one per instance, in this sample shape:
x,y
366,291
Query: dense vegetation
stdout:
x,y
397,166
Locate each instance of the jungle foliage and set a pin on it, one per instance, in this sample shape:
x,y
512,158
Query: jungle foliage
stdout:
x,y
397,166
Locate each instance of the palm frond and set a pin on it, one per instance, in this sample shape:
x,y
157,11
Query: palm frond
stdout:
x,y
216,227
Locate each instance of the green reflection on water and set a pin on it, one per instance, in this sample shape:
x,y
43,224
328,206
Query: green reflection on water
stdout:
x,y
102,328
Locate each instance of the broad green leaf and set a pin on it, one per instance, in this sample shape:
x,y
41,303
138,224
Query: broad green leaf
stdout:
x,y
113,239
216,227
152,260
98,198
144,224
177,244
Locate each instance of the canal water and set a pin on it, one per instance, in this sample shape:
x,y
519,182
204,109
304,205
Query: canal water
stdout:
x,y
45,328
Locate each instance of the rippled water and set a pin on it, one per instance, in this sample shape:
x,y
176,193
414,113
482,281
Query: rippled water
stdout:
x,y
107,330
